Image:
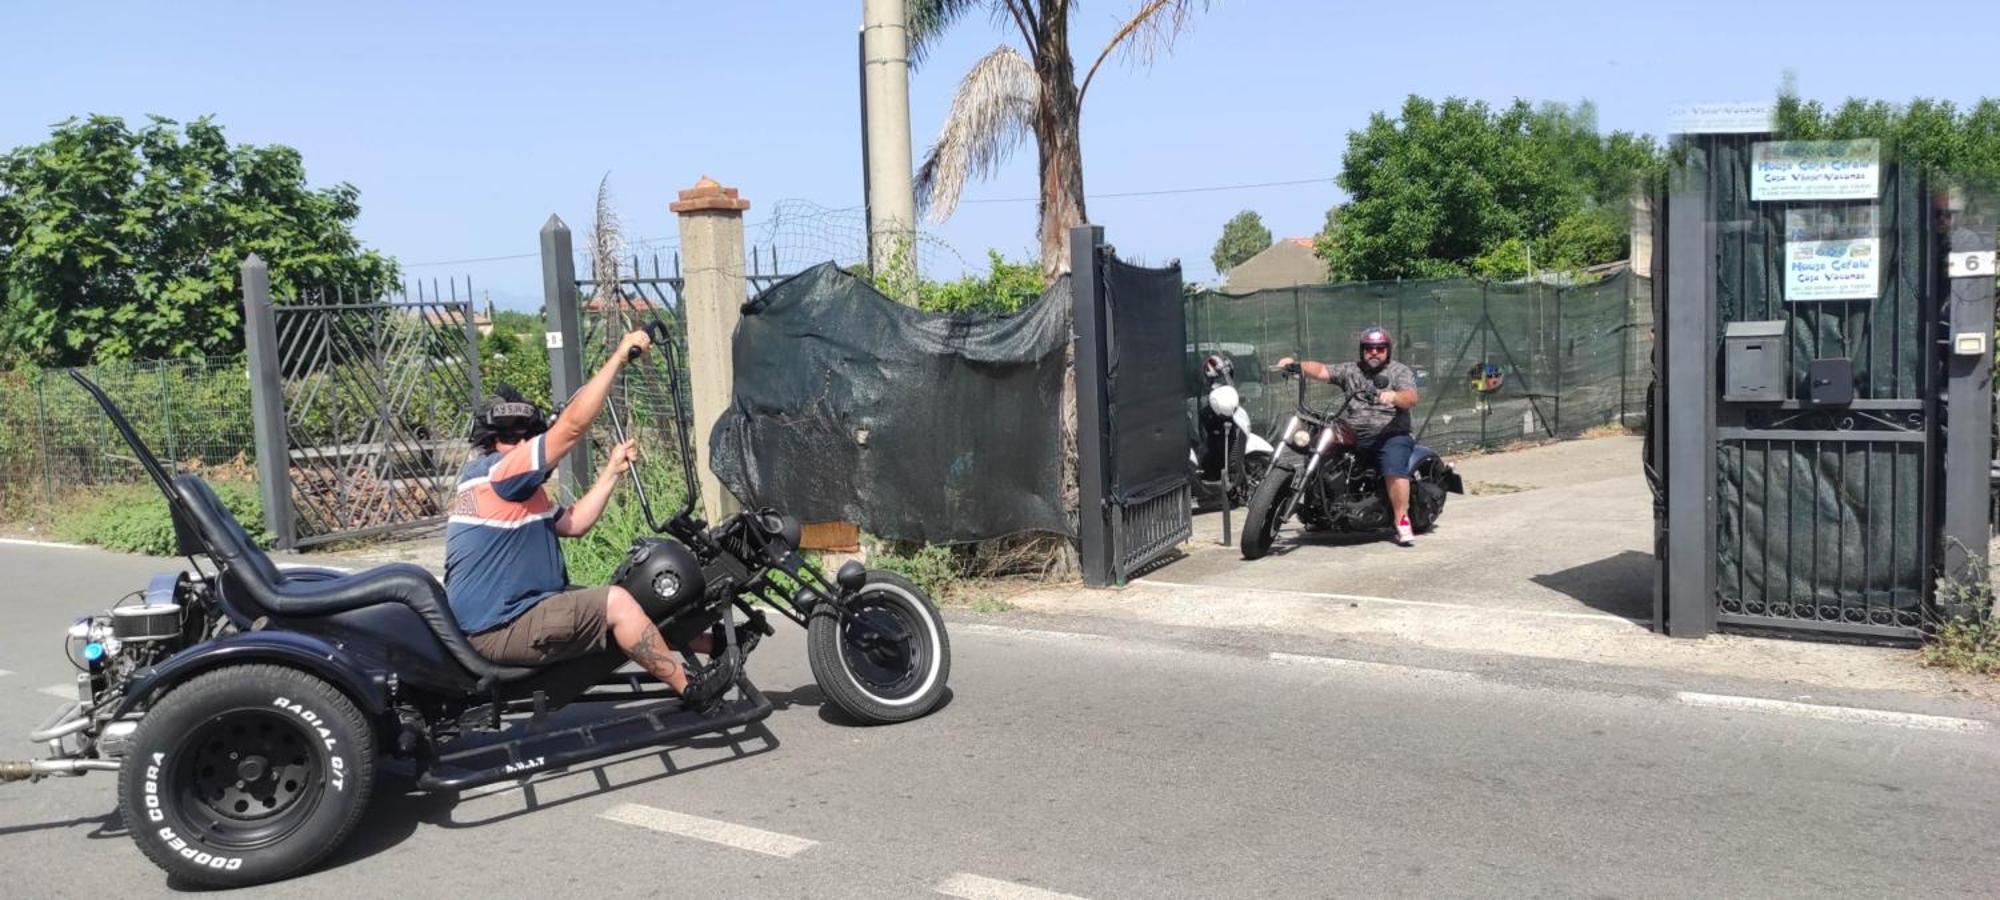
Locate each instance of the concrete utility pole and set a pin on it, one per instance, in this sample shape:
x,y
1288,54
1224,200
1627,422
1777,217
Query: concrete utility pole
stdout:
x,y
885,76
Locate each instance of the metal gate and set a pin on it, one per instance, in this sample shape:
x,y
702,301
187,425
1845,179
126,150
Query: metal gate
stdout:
x,y
1804,419
371,400
1134,504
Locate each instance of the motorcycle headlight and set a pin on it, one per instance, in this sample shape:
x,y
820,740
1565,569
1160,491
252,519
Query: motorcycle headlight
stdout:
x,y
1301,438
1223,400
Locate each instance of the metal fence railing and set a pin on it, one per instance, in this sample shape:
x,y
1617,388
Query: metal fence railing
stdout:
x,y
54,440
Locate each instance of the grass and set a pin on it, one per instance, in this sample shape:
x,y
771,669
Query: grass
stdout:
x,y
132,518
1964,636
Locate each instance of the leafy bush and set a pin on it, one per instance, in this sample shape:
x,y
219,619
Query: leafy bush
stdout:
x,y
132,518
934,568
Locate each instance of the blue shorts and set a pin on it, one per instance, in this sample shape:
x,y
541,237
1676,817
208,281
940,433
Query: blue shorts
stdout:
x,y
1393,452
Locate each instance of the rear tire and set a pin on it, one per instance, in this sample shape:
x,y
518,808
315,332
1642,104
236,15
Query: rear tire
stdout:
x,y
888,658
1262,521
246,774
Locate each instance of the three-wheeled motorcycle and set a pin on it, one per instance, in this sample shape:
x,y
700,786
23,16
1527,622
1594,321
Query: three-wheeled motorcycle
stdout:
x,y
246,708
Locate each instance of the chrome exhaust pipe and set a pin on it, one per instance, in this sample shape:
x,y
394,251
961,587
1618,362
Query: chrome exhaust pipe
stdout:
x,y
35,770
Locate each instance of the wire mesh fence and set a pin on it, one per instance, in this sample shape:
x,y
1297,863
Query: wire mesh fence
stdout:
x,y
54,440
1497,363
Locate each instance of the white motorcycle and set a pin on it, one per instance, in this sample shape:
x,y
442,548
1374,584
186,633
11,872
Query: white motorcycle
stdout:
x,y
1228,458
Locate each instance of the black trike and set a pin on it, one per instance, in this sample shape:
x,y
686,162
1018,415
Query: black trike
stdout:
x,y
247,708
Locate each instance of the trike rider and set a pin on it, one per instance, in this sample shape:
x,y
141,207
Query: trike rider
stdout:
x,y
1383,425
504,575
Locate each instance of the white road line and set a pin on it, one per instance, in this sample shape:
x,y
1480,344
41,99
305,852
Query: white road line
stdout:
x,y
975,887
1357,665
24,542
1009,631
1363,598
65,691
1835,713
5,672
742,837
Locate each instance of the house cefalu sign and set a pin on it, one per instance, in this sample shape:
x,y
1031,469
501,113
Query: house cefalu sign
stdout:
x,y
1816,170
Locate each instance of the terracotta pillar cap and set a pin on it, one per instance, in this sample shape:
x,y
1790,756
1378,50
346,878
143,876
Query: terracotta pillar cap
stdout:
x,y
708,194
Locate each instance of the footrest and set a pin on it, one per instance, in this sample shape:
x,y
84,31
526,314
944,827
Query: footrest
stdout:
x,y
661,723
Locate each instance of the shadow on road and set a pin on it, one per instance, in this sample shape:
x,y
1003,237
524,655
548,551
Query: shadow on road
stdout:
x,y
1621,585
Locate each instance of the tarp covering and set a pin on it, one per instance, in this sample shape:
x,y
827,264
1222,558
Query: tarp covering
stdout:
x,y
851,407
1147,380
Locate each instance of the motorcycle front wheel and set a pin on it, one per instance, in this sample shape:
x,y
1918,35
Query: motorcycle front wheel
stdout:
x,y
885,656
1267,512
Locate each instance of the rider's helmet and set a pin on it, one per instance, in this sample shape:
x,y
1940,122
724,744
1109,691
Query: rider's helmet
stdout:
x,y
507,417
1372,337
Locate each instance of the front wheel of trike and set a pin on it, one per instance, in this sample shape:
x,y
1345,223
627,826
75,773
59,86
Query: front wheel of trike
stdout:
x,y
246,774
885,657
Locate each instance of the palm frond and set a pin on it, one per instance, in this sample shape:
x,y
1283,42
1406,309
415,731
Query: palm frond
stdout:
x,y
1150,32
992,112
926,20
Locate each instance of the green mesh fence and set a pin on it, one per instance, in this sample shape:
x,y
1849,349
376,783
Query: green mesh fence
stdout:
x,y
54,439
1568,358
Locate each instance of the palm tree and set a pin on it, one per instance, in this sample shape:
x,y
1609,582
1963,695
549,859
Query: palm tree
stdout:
x,y
1008,96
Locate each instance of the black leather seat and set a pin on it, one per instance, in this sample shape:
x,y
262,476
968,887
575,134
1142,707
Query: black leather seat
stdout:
x,y
249,573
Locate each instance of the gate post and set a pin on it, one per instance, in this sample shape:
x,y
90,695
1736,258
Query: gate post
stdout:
x,y
1688,389
1968,394
564,340
267,404
714,290
1093,445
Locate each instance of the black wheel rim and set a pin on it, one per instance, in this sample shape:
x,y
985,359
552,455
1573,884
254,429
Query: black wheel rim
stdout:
x,y
884,644
248,778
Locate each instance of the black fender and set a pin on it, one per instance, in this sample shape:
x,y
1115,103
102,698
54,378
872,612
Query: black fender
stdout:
x,y
306,652
1434,468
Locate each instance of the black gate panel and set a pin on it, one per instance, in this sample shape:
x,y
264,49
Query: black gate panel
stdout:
x,y
1135,506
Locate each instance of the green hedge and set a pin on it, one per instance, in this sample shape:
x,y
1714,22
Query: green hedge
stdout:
x,y
132,518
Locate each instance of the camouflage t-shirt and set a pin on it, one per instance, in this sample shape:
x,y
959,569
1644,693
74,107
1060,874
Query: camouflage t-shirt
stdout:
x,y
1372,421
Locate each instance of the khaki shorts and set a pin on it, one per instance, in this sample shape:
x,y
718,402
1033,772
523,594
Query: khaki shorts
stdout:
x,y
559,626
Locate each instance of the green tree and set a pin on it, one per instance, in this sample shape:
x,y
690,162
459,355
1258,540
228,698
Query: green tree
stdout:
x,y
1457,187
118,244
1962,144
1244,236
1005,287
1009,96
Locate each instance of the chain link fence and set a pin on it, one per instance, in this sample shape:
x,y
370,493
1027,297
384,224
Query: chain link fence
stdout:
x,y
54,440
1497,362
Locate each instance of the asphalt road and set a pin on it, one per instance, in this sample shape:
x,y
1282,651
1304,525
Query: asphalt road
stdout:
x,y
1119,766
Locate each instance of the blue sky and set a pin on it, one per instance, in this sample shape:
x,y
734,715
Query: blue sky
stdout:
x,y
466,124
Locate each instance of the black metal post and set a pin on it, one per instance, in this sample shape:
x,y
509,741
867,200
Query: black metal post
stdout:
x,y
1968,394
564,339
1093,527
267,404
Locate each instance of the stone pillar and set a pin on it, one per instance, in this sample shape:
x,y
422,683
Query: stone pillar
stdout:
x,y
713,291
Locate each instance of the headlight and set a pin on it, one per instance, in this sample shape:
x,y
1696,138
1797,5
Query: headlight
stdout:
x,y
1301,438
1223,400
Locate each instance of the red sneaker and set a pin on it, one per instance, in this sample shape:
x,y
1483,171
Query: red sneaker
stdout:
x,y
1405,535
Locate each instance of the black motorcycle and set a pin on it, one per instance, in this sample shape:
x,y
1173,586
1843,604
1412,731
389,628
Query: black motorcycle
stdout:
x,y
246,708
1323,476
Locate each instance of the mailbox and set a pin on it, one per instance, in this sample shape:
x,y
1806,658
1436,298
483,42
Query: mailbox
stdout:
x,y
1755,362
1830,382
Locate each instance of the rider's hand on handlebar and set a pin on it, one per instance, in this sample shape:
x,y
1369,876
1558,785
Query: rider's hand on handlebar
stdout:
x,y
633,344
620,459
1289,366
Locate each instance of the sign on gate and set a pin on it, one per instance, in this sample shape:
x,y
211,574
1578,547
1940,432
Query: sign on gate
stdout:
x,y
1815,170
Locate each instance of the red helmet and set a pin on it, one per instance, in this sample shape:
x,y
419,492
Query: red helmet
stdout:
x,y
1376,336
